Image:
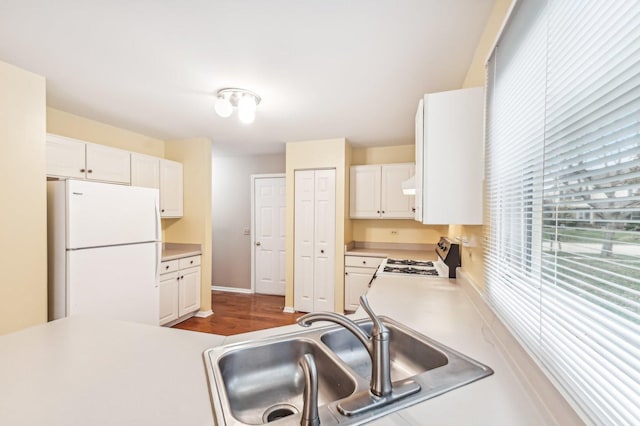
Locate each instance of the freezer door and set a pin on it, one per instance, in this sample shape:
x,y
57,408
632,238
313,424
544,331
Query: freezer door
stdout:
x,y
117,282
101,214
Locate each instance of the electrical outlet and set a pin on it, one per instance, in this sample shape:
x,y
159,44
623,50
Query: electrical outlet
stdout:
x,y
246,231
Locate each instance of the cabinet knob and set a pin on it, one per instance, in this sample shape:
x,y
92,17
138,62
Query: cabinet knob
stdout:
x,y
364,262
322,251
177,278
162,210
82,170
378,211
166,267
258,243
191,262
89,171
413,209
382,211
182,277
346,273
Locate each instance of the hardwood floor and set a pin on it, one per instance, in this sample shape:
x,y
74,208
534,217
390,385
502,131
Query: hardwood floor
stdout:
x,y
236,313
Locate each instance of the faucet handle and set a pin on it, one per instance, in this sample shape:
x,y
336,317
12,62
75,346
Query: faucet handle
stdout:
x,y
378,326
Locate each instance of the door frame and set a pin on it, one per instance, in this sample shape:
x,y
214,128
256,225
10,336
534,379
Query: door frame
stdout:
x,y
253,221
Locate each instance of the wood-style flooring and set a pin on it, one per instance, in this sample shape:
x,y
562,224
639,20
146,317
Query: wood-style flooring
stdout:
x,y
236,313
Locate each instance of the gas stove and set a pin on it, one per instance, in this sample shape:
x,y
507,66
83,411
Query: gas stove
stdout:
x,y
445,266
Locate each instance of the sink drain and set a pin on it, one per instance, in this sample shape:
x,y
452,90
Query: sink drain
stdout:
x,y
278,411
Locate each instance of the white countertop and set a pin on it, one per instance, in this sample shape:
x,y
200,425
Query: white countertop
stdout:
x,y
85,371
172,251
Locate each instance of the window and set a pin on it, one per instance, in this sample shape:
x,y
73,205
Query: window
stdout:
x,y
562,217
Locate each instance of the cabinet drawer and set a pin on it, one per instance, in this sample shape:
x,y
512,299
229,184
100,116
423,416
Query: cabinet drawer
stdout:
x,y
363,261
189,262
169,266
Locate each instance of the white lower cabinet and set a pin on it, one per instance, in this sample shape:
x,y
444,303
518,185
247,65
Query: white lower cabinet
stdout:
x,y
179,289
358,272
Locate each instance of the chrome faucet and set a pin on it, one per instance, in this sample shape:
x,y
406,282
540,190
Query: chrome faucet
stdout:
x,y
310,415
377,344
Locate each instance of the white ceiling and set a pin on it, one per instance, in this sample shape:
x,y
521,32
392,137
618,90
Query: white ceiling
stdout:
x,y
324,68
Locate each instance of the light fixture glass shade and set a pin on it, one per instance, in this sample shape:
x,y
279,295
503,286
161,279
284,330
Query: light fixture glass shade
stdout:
x,y
247,108
223,107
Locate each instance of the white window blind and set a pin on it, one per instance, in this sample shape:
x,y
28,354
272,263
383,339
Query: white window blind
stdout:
x,y
563,188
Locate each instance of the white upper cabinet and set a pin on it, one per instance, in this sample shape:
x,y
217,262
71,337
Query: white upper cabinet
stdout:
x,y
171,197
450,158
108,164
145,171
376,191
67,157
165,175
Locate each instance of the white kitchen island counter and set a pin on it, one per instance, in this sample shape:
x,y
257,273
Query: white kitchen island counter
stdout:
x,y
85,371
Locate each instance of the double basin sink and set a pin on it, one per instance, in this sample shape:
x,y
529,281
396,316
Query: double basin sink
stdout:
x,y
259,382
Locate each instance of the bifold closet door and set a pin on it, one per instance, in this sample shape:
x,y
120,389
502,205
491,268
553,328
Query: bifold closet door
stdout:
x,y
314,240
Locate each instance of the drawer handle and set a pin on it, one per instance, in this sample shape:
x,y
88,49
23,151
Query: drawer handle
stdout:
x,y
364,262
166,267
191,262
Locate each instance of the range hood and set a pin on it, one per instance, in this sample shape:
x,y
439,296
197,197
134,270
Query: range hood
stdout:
x,y
409,186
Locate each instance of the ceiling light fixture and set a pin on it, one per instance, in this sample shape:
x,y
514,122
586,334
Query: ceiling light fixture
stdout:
x,y
244,101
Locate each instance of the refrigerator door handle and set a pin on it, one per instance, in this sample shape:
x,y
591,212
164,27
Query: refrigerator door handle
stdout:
x,y
157,214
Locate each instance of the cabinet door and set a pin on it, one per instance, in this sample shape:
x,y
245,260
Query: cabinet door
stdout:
x,y
356,282
65,157
108,164
189,291
145,171
453,124
171,201
169,297
394,204
417,200
364,192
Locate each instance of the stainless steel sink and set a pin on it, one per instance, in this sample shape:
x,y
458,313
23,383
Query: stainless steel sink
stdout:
x,y
410,355
264,382
258,382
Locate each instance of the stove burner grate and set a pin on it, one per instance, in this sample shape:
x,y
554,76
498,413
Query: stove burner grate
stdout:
x,y
412,271
409,262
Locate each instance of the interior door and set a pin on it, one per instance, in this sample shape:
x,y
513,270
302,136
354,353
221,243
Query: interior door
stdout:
x,y
325,240
269,231
303,271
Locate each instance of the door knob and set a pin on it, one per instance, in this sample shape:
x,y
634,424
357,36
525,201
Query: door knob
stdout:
x,y
258,243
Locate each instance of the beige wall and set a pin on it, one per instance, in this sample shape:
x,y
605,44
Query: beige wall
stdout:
x,y
23,217
472,251
74,126
195,226
330,153
390,230
475,73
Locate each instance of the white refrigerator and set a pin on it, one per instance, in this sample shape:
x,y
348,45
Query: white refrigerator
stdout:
x,y
104,251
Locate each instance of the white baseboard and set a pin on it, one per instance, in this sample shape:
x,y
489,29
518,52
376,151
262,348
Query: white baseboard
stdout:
x,y
204,314
232,289
288,310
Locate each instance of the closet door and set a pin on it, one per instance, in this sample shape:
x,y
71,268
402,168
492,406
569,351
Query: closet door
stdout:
x,y
325,240
303,274
314,240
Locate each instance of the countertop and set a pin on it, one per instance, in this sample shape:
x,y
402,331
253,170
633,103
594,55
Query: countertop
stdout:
x,y
172,251
393,250
87,371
